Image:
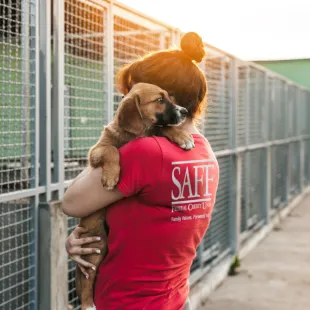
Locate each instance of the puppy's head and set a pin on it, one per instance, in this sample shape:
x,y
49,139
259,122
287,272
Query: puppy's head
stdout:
x,y
148,105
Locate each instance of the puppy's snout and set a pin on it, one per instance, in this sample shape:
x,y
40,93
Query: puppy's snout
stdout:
x,y
183,111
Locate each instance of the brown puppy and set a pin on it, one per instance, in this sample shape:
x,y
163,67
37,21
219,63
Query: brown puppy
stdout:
x,y
146,106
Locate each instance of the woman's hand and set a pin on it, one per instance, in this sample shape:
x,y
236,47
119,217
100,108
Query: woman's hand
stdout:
x,y
75,250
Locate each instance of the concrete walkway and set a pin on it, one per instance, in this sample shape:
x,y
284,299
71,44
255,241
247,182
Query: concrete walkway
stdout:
x,y
275,275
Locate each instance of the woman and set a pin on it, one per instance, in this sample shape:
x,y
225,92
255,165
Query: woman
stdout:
x,y
162,206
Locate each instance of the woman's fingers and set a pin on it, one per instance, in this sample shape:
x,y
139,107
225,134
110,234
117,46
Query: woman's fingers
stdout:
x,y
83,251
83,262
75,250
86,240
83,270
79,230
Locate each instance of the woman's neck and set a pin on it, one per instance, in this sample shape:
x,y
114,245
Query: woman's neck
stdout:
x,y
189,126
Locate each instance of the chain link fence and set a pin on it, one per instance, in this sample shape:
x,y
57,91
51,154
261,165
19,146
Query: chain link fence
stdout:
x,y
18,157
256,122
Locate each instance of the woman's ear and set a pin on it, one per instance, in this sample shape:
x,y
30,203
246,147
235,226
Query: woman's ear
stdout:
x,y
129,115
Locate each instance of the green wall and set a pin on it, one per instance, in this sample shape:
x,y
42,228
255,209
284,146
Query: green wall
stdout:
x,y
295,70
86,101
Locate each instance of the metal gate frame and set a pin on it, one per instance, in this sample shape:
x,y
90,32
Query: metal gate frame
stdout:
x,y
238,127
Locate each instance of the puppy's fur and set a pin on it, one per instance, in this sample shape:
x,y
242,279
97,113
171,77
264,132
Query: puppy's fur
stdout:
x,y
143,109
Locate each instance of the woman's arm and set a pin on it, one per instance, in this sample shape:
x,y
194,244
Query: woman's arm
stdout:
x,y
86,194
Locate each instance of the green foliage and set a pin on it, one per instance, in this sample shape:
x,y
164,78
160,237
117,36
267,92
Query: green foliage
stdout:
x,y
235,265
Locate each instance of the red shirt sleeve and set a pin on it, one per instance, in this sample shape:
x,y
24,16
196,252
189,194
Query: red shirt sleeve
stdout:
x,y
141,163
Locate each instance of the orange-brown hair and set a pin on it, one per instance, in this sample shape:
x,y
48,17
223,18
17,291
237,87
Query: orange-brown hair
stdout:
x,y
174,70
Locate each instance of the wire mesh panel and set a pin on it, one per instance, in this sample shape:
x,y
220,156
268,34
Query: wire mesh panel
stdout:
x,y
17,253
307,162
294,167
85,81
85,93
241,107
216,243
253,185
279,111
271,102
302,107
217,123
256,106
244,194
279,175
292,111
256,185
217,239
307,111
17,76
132,40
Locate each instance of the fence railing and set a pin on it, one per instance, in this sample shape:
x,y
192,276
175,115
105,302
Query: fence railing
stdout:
x,y
58,60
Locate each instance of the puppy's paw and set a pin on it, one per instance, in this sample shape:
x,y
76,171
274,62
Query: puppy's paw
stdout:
x,y
110,177
187,146
96,157
180,137
184,140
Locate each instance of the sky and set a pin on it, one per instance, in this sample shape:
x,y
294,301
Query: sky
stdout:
x,y
248,29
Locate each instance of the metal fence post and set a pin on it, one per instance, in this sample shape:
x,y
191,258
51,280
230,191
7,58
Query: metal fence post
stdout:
x,y
34,133
285,109
272,87
45,96
247,166
32,113
222,97
44,273
301,164
302,109
44,263
234,90
284,106
236,186
25,96
237,202
271,110
267,185
266,107
288,173
58,96
247,104
108,115
267,189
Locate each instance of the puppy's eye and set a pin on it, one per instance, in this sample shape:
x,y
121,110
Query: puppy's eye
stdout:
x,y
160,99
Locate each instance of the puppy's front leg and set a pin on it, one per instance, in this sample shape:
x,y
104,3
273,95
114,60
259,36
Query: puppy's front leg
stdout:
x,y
108,156
179,136
94,223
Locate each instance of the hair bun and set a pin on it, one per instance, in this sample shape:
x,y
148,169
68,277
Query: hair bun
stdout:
x,y
192,45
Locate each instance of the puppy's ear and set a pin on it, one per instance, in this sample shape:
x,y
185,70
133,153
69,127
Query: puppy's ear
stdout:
x,y
129,115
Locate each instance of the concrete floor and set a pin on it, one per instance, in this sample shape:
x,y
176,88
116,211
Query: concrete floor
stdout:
x,y
276,275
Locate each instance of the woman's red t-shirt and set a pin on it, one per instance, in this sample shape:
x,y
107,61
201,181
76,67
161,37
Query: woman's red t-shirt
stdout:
x,y
155,231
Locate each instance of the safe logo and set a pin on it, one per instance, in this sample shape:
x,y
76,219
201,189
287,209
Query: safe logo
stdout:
x,y
194,184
